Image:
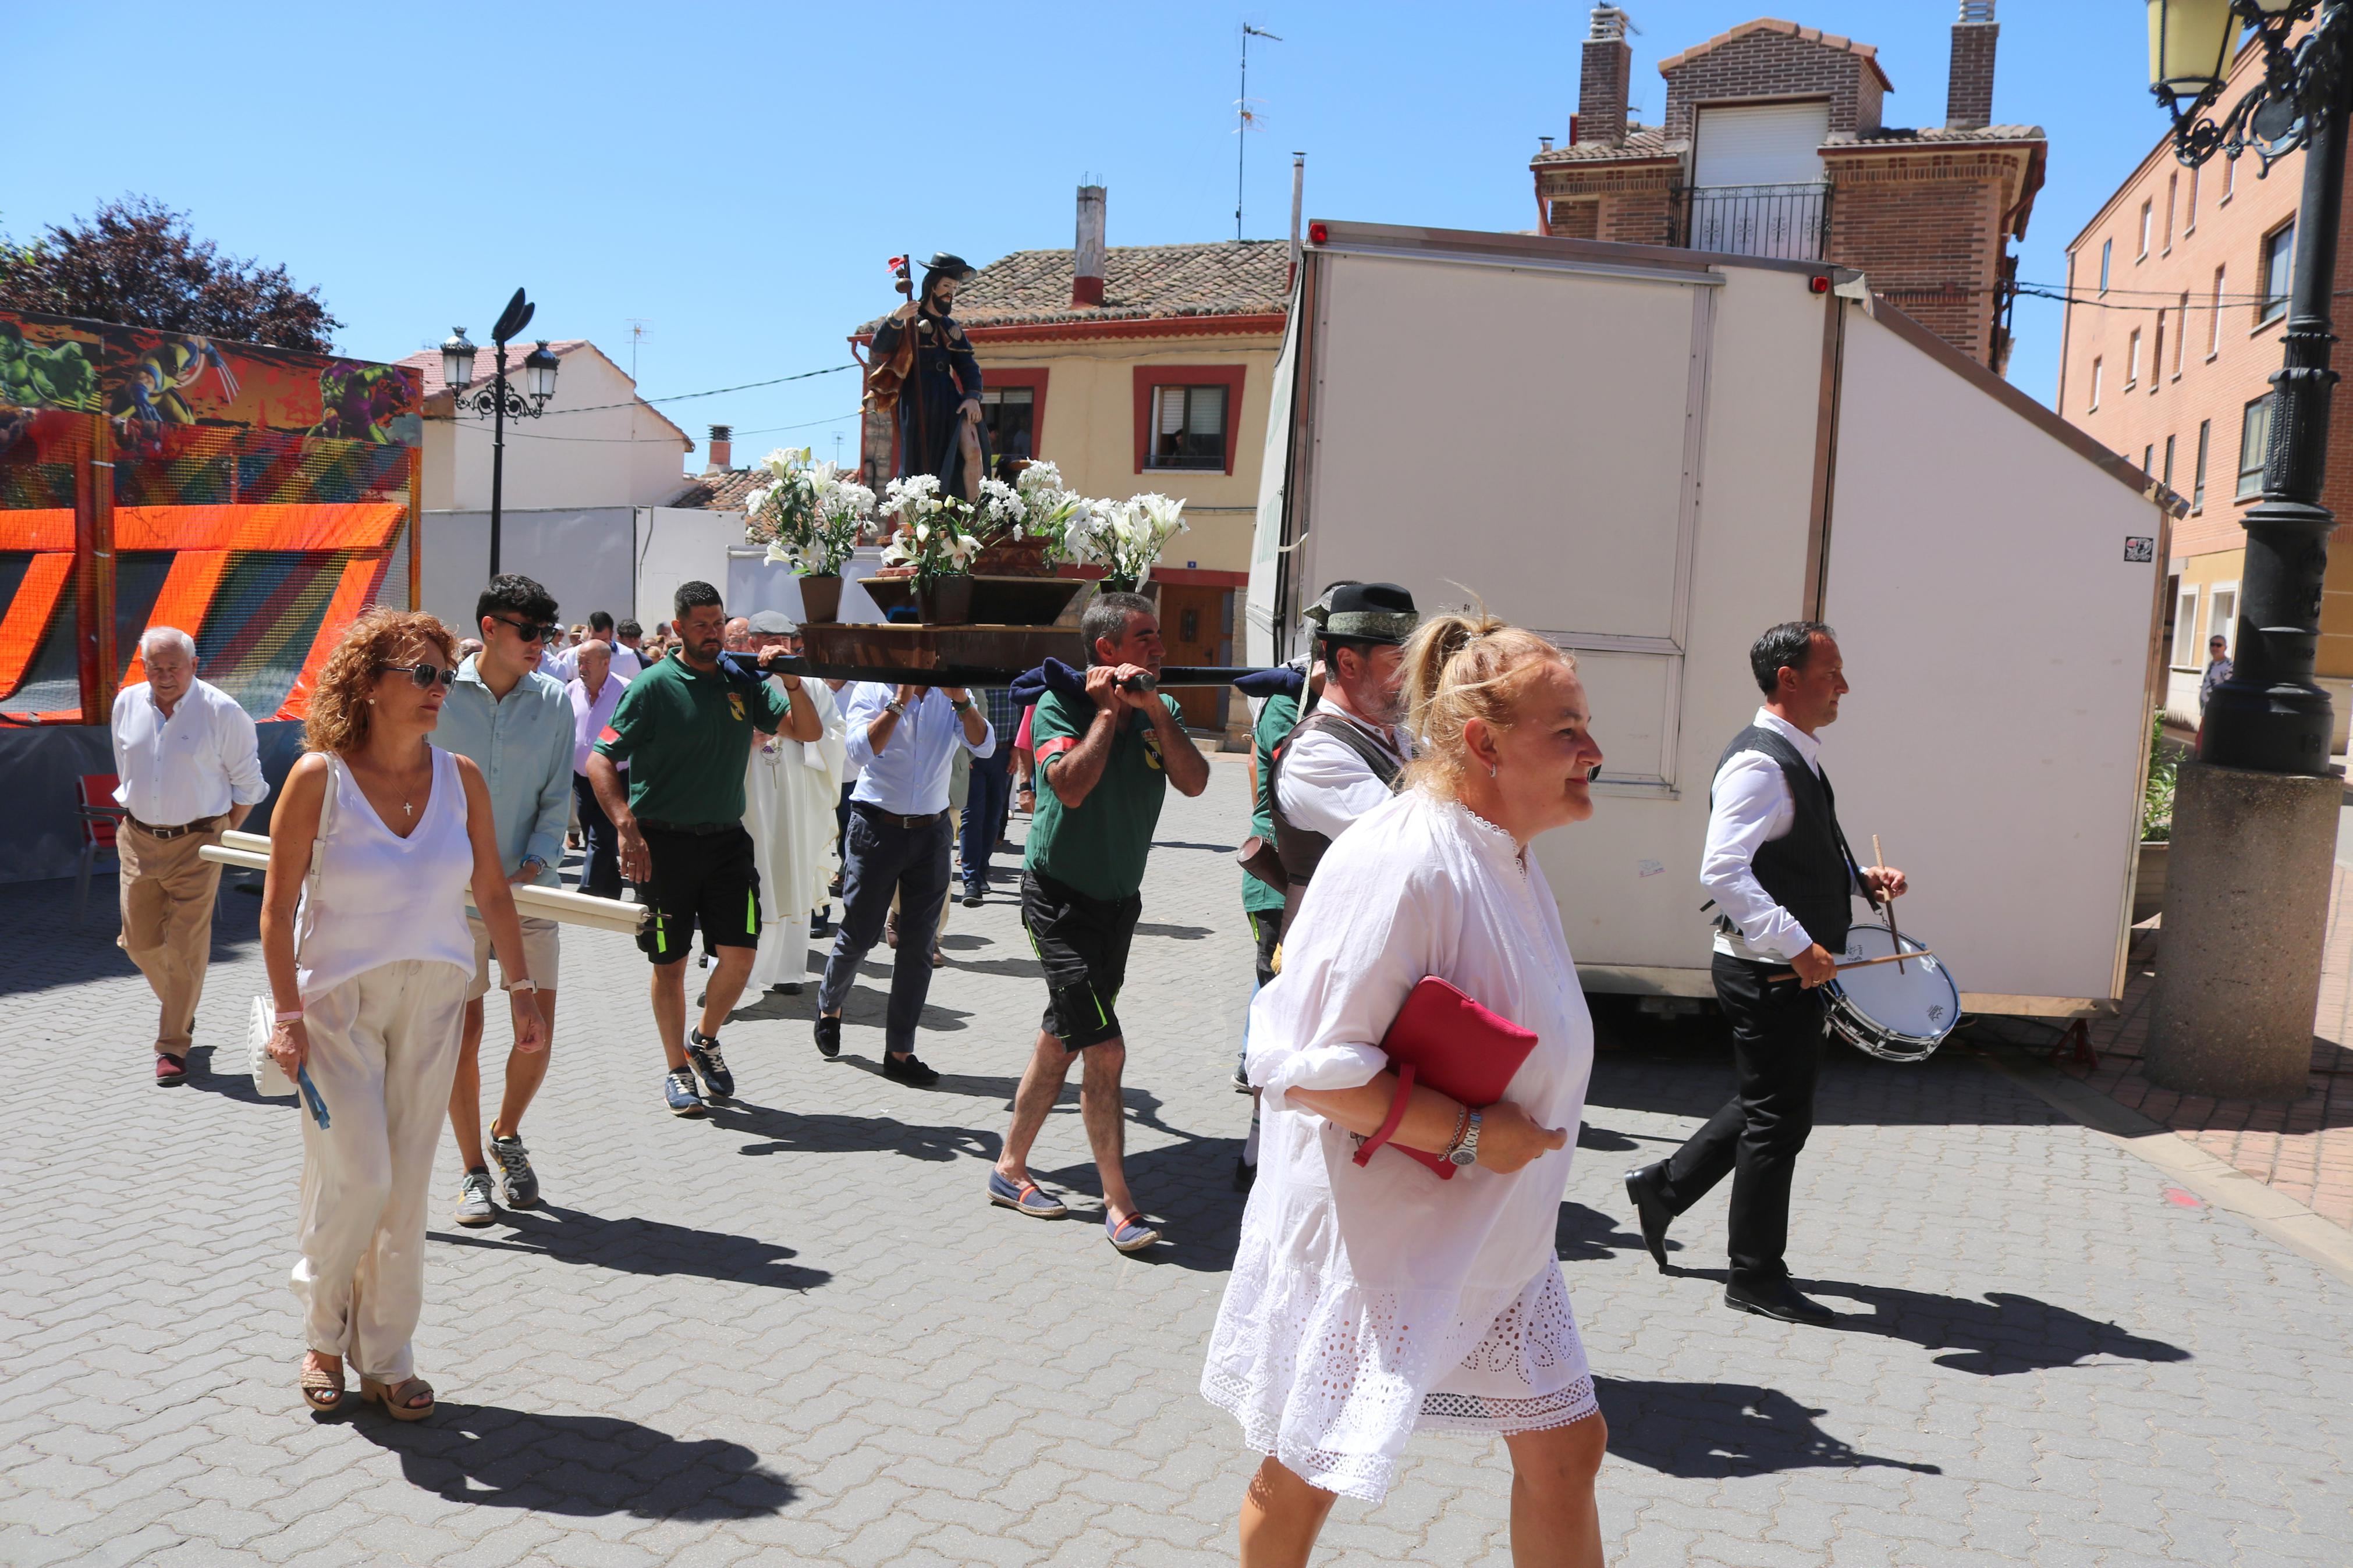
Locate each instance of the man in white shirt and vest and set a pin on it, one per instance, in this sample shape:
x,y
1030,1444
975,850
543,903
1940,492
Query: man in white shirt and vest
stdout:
x,y
189,764
1780,873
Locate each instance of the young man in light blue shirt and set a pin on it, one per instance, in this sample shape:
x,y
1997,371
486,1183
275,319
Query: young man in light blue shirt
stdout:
x,y
516,725
902,742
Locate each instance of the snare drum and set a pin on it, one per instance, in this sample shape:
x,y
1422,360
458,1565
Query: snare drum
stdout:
x,y
1901,1017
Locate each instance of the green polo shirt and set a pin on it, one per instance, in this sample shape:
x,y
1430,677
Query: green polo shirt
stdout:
x,y
1098,847
686,737
1275,719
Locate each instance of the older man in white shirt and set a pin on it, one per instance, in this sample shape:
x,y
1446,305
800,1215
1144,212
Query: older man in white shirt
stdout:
x,y
189,762
903,743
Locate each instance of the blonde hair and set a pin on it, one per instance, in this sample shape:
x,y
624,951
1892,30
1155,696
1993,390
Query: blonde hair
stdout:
x,y
338,717
1461,667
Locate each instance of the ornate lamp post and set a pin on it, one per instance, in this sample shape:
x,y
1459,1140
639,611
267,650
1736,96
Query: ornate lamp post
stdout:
x,y
2255,815
498,401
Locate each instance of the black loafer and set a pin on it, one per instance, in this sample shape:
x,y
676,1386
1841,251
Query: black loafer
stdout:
x,y
828,1038
1650,1210
1778,1300
908,1071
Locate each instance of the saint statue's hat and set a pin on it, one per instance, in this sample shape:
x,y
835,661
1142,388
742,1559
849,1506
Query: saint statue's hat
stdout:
x,y
947,262
1371,612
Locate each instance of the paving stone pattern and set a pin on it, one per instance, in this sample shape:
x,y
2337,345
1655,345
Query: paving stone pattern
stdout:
x,y
2303,1149
796,1332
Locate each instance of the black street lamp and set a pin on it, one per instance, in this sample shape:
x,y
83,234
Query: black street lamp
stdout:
x,y
2270,716
499,402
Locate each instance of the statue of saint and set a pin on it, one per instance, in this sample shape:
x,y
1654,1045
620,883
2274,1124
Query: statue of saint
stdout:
x,y
922,367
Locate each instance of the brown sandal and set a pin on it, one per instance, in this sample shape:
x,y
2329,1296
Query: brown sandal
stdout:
x,y
323,1390
398,1398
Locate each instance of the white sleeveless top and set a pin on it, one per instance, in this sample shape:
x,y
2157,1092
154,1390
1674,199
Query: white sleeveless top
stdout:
x,y
383,898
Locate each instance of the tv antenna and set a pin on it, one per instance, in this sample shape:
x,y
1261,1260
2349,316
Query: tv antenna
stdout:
x,y
637,325
1245,121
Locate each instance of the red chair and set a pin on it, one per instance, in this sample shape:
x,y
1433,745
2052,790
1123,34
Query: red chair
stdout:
x,y
98,815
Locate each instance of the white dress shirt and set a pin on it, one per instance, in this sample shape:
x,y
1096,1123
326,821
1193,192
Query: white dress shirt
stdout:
x,y
559,664
1753,807
1324,785
195,764
626,662
909,777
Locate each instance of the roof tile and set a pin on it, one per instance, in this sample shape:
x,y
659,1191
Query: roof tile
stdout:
x,y
1141,282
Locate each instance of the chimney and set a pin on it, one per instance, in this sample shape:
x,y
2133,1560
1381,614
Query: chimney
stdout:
x,y
1602,84
1968,96
723,447
1087,272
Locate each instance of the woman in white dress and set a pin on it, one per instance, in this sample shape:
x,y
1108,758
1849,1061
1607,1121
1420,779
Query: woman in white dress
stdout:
x,y
1368,1301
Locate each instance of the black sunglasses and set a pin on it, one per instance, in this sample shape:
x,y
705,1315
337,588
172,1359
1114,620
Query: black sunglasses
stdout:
x,y
530,631
427,676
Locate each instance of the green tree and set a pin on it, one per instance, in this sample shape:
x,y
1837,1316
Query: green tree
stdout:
x,y
136,262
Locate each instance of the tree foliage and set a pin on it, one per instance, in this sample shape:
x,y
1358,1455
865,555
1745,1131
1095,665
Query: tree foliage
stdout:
x,y
136,262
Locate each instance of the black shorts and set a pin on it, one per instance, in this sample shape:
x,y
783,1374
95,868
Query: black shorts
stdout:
x,y
1082,942
700,880
1266,933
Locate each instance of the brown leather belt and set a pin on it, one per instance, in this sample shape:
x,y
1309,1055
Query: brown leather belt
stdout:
x,y
201,825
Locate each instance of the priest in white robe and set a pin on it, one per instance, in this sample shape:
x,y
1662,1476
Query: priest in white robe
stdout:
x,y
790,789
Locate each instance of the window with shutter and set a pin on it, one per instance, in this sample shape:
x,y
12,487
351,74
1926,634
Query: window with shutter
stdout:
x,y
1189,427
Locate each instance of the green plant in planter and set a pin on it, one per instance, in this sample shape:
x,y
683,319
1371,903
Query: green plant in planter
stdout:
x,y
2156,795
807,514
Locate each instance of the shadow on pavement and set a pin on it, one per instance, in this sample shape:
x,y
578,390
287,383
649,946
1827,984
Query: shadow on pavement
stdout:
x,y
787,1132
1588,1236
635,1246
235,1083
1179,933
1187,1187
2002,1334
1715,1430
578,1466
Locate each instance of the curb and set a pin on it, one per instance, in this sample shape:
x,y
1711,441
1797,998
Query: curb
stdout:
x,y
2220,1182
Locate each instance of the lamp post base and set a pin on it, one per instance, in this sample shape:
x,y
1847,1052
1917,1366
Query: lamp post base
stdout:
x,y
2245,918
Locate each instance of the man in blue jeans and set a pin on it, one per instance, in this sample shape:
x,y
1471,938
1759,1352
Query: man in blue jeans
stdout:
x,y
902,744
991,795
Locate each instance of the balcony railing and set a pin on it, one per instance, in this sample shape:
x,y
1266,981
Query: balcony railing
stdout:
x,y
1789,222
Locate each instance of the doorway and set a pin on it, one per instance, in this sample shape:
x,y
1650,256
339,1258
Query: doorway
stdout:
x,y
1196,626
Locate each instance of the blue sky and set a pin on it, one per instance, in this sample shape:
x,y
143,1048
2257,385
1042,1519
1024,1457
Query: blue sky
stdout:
x,y
735,175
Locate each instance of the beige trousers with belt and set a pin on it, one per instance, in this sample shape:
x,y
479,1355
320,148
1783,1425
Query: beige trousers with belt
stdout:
x,y
167,922
383,1047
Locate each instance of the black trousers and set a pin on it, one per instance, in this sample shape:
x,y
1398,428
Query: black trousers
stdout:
x,y
1776,1054
885,857
602,875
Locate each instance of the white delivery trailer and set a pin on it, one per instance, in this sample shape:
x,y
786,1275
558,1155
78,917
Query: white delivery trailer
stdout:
x,y
1651,455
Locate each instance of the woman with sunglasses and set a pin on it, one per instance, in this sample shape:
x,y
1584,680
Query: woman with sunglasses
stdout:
x,y
369,966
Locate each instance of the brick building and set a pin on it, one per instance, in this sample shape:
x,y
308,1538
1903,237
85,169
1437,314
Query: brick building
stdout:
x,y
1772,144
2177,294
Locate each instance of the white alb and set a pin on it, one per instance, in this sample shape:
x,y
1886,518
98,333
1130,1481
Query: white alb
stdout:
x,y
1368,1301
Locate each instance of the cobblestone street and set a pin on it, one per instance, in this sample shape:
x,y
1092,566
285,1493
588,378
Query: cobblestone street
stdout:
x,y
797,1331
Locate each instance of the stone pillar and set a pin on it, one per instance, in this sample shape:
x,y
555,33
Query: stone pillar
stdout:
x,y
2246,914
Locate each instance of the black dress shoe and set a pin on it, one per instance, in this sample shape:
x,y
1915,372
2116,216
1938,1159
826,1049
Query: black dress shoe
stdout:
x,y
972,895
787,988
1776,1298
1650,1210
908,1070
828,1038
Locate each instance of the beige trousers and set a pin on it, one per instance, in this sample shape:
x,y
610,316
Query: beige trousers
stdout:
x,y
384,1048
167,922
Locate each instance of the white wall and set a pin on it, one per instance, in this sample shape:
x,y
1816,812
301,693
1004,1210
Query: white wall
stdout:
x,y
612,457
582,555
752,585
678,545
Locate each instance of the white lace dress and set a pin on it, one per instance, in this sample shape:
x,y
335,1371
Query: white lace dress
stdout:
x,y
1366,1301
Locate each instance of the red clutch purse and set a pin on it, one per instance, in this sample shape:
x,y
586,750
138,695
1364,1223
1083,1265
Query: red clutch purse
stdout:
x,y
1457,1047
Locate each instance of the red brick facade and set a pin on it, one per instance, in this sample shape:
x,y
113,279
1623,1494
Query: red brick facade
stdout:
x,y
1926,216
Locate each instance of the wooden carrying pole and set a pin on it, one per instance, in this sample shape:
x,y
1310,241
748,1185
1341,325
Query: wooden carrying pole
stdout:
x,y
251,851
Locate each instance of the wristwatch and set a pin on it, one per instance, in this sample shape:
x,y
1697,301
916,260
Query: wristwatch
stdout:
x,y
896,709
532,864
960,707
1467,1151
526,983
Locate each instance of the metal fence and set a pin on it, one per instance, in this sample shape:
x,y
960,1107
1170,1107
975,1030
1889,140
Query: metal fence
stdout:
x,y
1791,222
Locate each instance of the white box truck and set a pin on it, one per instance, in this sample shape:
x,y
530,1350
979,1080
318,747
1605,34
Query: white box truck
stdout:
x,y
1651,456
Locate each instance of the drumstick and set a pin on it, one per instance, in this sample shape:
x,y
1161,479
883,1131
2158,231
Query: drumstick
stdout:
x,y
1860,962
1886,909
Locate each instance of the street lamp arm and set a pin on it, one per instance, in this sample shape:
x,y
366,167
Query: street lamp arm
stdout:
x,y
2277,115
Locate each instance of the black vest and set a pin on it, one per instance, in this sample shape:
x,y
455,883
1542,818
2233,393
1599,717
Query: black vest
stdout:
x,y
1300,850
1808,870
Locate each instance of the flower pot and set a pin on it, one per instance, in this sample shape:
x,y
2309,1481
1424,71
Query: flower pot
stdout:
x,y
944,601
1013,558
821,598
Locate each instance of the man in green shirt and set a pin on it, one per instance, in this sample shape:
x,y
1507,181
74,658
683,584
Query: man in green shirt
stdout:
x,y
684,729
1106,762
